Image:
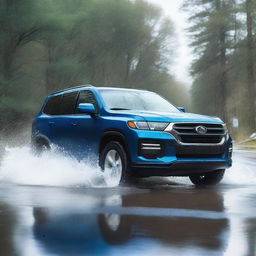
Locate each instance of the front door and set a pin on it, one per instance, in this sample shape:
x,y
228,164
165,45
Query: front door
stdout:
x,y
87,127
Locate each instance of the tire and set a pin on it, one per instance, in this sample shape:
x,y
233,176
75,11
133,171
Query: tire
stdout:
x,y
212,178
40,147
117,169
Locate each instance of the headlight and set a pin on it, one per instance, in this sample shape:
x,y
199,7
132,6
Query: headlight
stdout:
x,y
157,126
152,126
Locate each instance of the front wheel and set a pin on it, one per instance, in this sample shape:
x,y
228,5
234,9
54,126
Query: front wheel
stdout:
x,y
211,178
114,163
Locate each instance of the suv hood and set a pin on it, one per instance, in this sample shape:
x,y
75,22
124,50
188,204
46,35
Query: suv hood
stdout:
x,y
172,117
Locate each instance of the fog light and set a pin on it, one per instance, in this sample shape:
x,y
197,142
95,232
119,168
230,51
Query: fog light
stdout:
x,y
150,149
150,146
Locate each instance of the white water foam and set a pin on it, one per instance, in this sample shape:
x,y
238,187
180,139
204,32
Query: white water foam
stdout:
x,y
21,166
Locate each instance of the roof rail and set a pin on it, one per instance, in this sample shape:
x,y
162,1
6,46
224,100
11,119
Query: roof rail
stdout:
x,y
75,87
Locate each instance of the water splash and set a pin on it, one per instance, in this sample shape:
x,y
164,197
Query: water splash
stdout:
x,y
20,166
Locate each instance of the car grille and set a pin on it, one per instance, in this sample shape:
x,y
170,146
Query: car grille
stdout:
x,y
186,133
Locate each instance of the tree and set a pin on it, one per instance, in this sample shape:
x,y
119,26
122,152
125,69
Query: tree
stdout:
x,y
20,25
50,45
211,31
250,10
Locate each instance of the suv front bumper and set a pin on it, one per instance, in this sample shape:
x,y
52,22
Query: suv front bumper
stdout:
x,y
177,159
180,168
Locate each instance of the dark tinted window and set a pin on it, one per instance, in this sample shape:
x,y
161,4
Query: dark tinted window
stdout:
x,y
68,103
88,97
52,107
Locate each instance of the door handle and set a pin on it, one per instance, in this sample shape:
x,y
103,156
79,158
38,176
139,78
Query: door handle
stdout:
x,y
74,124
51,123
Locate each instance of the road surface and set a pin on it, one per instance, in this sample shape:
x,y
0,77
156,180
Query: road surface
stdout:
x,y
150,217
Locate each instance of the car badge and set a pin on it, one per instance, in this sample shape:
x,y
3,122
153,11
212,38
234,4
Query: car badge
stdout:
x,y
201,129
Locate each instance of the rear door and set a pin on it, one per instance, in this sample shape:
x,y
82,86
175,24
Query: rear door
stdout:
x,y
65,123
47,121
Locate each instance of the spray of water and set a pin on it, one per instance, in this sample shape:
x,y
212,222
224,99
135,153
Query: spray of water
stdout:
x,y
20,166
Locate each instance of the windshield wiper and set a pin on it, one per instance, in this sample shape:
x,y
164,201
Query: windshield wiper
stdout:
x,y
120,109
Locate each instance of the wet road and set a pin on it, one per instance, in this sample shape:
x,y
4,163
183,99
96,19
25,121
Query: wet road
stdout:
x,y
151,217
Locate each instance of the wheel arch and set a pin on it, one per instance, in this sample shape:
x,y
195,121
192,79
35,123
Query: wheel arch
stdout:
x,y
40,140
114,135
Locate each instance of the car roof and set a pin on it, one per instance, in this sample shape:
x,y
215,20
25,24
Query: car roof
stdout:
x,y
120,89
80,87
75,88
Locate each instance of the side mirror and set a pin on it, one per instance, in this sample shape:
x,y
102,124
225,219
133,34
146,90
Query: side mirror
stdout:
x,y
86,108
181,109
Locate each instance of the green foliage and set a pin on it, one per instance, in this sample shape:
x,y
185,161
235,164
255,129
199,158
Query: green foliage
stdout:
x,y
224,65
52,44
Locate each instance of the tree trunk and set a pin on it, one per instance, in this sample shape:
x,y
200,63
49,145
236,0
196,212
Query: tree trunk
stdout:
x,y
250,66
223,76
222,88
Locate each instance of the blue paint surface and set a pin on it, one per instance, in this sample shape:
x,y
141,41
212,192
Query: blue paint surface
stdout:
x,y
80,134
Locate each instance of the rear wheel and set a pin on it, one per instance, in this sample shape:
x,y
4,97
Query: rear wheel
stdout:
x,y
114,163
211,178
40,147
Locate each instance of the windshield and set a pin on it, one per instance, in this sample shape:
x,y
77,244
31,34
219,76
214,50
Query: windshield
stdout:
x,y
136,100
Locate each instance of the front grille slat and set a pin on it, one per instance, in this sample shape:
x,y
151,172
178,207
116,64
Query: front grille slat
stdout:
x,y
186,133
185,128
209,125
215,129
196,134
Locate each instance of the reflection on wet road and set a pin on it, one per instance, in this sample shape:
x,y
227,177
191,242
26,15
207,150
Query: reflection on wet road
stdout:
x,y
150,217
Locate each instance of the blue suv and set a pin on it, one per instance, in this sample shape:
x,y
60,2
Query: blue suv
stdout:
x,y
133,133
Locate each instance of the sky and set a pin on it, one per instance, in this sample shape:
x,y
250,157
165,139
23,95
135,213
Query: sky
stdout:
x,y
171,9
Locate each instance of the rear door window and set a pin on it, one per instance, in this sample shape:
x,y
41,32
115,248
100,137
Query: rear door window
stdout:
x,y
68,103
52,106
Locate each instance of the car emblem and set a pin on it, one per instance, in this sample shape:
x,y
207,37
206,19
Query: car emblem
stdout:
x,y
201,129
